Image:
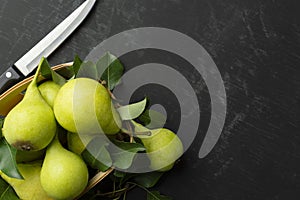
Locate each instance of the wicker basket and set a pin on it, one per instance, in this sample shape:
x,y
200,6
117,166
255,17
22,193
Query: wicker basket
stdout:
x,y
14,95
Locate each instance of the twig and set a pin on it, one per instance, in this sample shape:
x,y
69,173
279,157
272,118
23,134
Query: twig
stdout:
x,y
111,95
130,131
103,82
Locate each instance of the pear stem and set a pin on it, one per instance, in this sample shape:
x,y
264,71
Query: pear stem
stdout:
x,y
147,133
130,131
111,95
102,82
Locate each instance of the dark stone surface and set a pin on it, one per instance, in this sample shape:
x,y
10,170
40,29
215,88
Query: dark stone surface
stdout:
x,y
256,46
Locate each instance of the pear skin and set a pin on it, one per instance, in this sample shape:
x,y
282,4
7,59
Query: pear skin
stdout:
x,y
83,105
64,174
30,187
31,124
77,144
163,147
49,90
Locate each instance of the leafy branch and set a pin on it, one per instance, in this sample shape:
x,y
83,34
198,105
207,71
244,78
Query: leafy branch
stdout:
x,y
102,155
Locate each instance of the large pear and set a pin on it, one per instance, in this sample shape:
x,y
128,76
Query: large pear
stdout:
x,y
83,105
31,124
64,174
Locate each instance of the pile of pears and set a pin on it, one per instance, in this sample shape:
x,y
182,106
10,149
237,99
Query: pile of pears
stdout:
x,y
80,106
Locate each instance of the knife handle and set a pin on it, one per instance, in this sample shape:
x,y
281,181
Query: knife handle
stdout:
x,y
8,79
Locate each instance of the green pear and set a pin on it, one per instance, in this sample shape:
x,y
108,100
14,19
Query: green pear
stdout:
x,y
31,124
83,105
163,147
49,90
64,174
28,156
77,144
30,187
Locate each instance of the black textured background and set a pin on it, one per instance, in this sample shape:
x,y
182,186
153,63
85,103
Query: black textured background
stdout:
x,y
256,46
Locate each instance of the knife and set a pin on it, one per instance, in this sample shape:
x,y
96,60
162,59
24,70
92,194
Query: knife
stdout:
x,y
28,62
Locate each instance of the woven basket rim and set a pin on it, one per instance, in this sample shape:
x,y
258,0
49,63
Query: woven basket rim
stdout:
x,y
13,95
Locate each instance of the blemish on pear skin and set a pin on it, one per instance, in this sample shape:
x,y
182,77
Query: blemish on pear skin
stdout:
x,y
23,145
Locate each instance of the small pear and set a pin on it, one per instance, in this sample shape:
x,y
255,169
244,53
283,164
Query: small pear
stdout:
x,y
31,124
49,90
163,147
64,174
77,144
30,187
83,105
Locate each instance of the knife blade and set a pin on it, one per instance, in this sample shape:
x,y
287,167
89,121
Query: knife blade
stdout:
x,y
29,61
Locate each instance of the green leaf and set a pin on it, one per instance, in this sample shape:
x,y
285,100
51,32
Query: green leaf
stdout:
x,y
110,69
155,195
88,70
119,174
49,73
123,157
96,154
45,68
126,177
1,125
132,111
153,119
76,64
8,164
6,191
148,180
